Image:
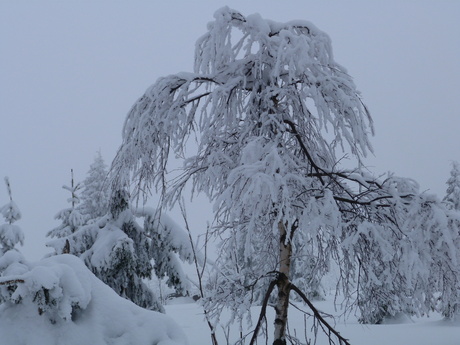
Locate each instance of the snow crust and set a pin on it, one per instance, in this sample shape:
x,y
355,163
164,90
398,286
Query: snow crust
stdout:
x,y
101,318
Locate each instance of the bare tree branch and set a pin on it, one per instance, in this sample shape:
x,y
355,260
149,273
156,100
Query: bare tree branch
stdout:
x,y
198,271
12,282
263,311
318,315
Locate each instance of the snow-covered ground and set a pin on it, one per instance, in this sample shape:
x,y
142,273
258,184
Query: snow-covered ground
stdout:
x,y
79,309
423,331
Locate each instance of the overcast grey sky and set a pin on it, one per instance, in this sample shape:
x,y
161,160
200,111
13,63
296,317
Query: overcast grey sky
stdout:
x,y
70,70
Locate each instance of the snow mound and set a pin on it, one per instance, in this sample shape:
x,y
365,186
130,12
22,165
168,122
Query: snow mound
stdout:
x,y
77,308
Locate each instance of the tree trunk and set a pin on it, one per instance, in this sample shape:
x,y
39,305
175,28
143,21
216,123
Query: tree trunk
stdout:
x,y
283,285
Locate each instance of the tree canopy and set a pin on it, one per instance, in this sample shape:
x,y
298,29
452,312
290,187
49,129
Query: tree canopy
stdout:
x,y
273,116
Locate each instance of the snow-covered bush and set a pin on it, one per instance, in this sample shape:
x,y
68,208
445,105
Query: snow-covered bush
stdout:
x,y
57,290
59,301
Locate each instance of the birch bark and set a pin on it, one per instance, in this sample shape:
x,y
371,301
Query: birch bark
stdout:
x,y
283,285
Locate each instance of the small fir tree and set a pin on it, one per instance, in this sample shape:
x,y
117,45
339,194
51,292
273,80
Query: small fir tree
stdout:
x,y
169,245
452,198
11,260
10,233
130,261
71,218
95,191
122,253
451,308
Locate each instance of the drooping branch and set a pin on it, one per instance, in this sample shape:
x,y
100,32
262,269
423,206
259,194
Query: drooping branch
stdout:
x,y
334,176
263,311
370,202
318,315
304,149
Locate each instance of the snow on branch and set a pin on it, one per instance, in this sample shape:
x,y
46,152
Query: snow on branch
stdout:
x,y
238,88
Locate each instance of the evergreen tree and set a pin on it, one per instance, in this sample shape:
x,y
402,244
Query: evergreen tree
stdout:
x,y
71,218
129,260
169,245
10,233
115,250
122,253
11,260
450,308
452,198
95,190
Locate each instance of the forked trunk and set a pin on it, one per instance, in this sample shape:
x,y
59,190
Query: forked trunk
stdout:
x,y
282,304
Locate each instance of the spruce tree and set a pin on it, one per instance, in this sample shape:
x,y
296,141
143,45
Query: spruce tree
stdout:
x,y
71,218
95,191
129,260
452,198
169,245
12,261
10,233
122,253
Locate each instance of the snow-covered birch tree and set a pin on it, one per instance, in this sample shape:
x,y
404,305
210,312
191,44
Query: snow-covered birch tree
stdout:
x,y
273,115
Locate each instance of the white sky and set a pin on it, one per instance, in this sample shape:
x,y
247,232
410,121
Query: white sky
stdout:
x,y
70,70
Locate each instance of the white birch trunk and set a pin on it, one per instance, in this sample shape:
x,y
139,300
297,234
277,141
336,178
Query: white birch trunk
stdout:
x,y
282,304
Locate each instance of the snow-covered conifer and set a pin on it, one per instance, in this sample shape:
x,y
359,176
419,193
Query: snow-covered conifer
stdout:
x,y
169,245
122,253
11,260
114,248
71,218
95,192
10,233
128,262
452,198
57,300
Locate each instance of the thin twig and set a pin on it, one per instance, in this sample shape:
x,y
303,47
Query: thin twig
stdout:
x,y
198,272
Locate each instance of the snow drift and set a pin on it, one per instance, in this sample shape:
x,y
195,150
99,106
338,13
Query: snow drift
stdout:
x,y
59,301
